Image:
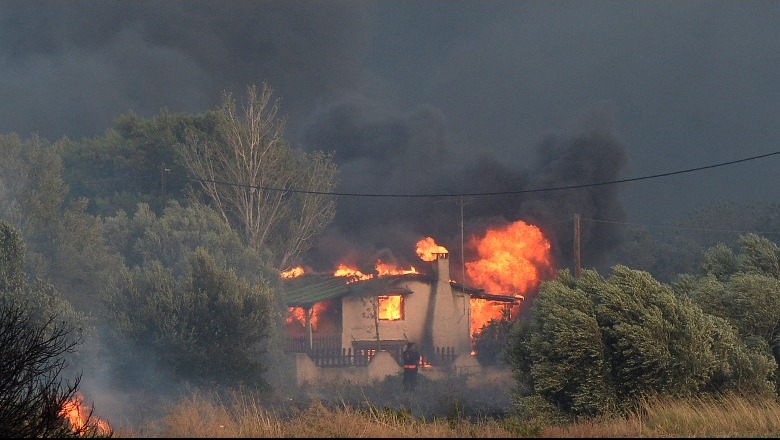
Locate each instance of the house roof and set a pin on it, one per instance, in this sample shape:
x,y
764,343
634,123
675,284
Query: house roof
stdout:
x,y
499,298
307,290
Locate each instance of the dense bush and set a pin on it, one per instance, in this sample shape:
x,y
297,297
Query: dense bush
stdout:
x,y
208,326
598,346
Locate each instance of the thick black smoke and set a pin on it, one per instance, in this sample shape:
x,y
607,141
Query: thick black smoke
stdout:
x,y
409,154
69,68
486,82
431,98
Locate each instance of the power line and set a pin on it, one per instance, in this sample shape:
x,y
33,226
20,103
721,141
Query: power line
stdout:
x,y
112,180
679,227
491,193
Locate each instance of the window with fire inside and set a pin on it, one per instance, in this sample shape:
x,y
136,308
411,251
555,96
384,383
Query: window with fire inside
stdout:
x,y
390,308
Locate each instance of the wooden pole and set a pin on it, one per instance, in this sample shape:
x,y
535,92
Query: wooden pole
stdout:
x,y
307,312
577,267
163,182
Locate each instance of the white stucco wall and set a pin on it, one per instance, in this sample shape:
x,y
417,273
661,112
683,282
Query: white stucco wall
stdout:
x,y
450,327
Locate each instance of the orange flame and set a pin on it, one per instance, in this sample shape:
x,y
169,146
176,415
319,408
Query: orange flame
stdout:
x,y
297,315
292,273
483,311
390,307
388,269
353,274
77,413
427,248
513,258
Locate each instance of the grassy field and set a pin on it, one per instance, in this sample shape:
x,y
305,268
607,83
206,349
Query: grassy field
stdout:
x,y
442,409
202,417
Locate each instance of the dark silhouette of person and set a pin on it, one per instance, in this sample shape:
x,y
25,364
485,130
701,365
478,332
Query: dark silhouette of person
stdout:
x,y
411,359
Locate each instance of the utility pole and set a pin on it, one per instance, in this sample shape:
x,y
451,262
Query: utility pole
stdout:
x,y
163,178
576,245
308,311
462,257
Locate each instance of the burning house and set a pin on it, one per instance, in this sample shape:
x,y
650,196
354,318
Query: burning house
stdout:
x,y
348,318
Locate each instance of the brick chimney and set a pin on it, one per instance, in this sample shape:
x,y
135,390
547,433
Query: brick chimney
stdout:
x,y
444,328
441,266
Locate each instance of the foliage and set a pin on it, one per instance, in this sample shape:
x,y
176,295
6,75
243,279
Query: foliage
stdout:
x,y
208,325
38,298
678,249
31,188
491,340
127,164
598,346
273,195
568,358
35,338
63,245
742,288
32,392
172,237
79,259
12,275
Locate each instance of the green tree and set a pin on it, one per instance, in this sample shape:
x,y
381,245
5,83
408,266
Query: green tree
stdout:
x,y
759,256
31,186
743,289
38,297
38,331
12,275
63,244
568,364
491,341
32,392
172,237
597,346
128,163
79,259
720,262
249,174
209,325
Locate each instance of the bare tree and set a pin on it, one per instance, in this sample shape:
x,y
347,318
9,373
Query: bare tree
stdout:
x,y
33,397
274,196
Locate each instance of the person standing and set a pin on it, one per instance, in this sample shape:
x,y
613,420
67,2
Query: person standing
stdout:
x,y
411,359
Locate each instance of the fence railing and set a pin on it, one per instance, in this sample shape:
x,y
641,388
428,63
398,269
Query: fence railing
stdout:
x,y
326,352
442,356
301,344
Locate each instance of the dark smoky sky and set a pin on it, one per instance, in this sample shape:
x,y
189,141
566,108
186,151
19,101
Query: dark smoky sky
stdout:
x,y
422,97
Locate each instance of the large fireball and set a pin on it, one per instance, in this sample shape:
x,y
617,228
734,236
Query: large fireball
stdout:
x,y
512,259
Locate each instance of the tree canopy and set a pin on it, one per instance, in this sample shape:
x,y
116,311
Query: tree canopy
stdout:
x,y
597,346
272,194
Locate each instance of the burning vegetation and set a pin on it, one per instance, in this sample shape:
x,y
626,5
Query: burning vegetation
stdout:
x,y
81,420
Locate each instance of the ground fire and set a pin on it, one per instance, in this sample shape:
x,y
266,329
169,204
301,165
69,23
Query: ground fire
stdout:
x,y
78,415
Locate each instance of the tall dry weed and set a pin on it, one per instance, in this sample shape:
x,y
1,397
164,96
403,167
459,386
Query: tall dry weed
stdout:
x,y
705,416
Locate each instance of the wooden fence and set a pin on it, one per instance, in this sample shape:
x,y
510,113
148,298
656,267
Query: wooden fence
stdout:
x,y
441,356
326,351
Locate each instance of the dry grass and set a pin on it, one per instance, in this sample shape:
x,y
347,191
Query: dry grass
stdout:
x,y
248,415
200,416
733,416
